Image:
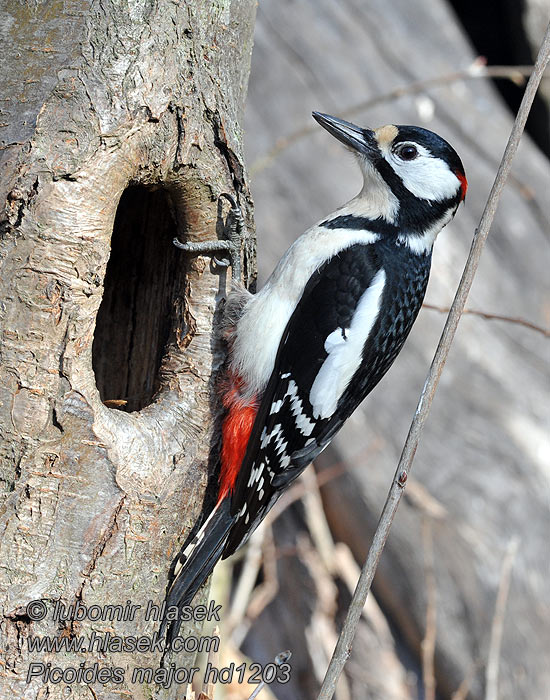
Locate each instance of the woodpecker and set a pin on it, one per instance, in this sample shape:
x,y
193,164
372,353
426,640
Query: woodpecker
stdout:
x,y
325,328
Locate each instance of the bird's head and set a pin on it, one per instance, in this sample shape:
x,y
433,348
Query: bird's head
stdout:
x,y
413,178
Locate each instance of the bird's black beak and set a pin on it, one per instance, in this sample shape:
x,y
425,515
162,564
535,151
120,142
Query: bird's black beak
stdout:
x,y
362,140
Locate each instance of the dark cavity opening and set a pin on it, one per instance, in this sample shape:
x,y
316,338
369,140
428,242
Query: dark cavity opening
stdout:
x,y
145,276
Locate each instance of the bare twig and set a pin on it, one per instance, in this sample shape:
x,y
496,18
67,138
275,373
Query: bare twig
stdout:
x,y
343,647
280,659
461,693
421,499
247,580
491,673
320,632
267,590
428,643
262,595
214,661
492,317
476,70
316,519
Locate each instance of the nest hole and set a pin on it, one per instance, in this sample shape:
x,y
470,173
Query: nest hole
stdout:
x,y
144,277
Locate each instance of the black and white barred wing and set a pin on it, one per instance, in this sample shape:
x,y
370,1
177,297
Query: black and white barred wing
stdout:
x,y
320,351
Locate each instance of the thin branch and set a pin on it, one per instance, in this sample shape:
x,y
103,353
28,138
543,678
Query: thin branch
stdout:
x,y
493,317
247,580
316,519
267,590
491,674
428,643
280,660
208,687
461,693
476,70
343,647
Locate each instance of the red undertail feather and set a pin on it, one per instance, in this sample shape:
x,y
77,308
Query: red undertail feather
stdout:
x,y
236,430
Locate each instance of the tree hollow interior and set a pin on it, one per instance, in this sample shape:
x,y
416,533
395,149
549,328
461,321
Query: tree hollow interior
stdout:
x,y
144,277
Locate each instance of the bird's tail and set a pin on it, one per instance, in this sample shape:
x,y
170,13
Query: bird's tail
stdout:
x,y
195,564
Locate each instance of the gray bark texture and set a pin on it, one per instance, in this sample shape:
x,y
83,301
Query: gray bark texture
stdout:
x,y
480,477
121,126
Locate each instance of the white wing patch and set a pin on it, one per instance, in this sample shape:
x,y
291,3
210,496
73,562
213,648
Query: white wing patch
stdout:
x,y
344,347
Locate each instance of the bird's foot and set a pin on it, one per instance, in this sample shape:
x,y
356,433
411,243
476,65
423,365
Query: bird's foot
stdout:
x,y
230,248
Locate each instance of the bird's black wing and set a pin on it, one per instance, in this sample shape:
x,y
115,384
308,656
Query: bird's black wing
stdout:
x,y
287,433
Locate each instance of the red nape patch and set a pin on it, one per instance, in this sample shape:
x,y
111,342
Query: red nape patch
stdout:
x,y
463,184
236,430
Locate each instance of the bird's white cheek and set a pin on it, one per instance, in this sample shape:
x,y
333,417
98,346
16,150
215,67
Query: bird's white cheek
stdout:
x,y
429,178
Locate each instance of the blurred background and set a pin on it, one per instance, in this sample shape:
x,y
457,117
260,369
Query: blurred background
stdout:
x,y
460,605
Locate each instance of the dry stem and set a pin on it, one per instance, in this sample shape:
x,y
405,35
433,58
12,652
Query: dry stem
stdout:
x,y
428,643
493,317
491,675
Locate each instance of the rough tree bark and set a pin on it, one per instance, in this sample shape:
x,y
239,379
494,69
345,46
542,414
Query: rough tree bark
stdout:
x,y
120,131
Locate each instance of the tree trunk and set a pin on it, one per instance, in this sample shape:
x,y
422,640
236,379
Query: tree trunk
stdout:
x,y
121,131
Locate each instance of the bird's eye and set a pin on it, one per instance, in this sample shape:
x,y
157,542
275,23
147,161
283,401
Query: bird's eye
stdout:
x,y
407,152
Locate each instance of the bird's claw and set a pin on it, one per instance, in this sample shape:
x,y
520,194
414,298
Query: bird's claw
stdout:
x,y
230,246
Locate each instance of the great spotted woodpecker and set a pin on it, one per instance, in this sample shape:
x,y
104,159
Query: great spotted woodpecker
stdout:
x,y
324,330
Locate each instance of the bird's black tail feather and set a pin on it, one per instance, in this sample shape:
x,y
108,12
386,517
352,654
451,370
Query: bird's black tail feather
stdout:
x,y
194,565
